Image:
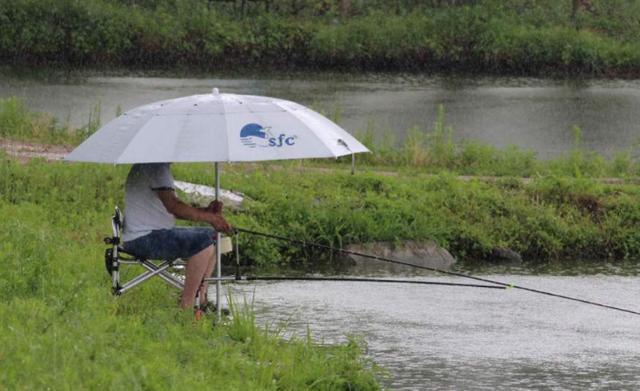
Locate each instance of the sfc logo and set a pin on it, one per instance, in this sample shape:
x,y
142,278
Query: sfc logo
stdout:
x,y
255,135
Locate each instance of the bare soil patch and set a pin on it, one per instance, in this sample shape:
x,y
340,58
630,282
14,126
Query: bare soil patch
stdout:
x,y
24,150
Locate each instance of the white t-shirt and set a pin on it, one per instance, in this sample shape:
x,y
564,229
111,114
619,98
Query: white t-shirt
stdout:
x,y
144,211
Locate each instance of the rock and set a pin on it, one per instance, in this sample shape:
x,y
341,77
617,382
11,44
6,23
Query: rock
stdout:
x,y
202,195
505,255
427,254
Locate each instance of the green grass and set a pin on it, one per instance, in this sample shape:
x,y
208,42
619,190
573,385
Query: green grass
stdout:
x,y
19,123
551,217
61,328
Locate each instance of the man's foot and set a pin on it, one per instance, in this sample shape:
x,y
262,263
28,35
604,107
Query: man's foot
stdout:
x,y
202,293
210,308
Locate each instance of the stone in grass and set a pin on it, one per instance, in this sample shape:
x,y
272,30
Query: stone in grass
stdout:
x,y
202,195
505,255
425,253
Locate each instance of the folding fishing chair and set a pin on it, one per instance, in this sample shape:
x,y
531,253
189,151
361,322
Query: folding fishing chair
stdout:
x,y
115,255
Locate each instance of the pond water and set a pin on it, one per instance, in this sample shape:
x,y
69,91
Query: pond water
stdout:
x,y
444,338
536,114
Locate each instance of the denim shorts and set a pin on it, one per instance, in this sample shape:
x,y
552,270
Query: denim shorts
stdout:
x,y
177,242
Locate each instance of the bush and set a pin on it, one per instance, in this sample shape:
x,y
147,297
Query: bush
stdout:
x,y
485,36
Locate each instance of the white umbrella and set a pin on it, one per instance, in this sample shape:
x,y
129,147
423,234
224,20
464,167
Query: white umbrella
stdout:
x,y
216,128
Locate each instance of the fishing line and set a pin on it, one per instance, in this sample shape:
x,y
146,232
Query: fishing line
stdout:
x,y
457,274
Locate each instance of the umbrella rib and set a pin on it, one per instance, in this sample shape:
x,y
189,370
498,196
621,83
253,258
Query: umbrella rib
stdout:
x,y
294,113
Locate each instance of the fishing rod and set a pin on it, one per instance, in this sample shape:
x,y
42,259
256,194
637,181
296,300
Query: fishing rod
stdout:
x,y
451,273
239,277
355,279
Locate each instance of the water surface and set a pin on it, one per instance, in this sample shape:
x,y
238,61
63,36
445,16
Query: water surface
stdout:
x,y
447,338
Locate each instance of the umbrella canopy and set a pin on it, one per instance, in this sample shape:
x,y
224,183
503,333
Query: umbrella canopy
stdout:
x,y
216,128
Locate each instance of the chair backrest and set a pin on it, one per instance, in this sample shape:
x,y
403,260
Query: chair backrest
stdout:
x,y
116,226
116,222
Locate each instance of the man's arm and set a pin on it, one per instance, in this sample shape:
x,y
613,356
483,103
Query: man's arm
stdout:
x,y
185,212
213,207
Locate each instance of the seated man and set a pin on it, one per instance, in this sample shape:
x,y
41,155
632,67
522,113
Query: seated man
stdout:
x,y
150,232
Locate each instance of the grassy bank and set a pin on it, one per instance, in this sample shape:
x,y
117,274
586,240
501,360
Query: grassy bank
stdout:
x,y
62,329
550,217
494,36
17,122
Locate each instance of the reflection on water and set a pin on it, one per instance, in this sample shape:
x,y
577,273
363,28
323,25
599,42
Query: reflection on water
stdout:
x,y
376,268
535,114
466,338
577,267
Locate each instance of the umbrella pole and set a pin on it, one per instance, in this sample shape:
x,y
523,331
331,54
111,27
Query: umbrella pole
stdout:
x,y
218,252
353,164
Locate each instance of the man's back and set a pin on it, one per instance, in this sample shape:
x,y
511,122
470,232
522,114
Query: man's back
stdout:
x,y
144,211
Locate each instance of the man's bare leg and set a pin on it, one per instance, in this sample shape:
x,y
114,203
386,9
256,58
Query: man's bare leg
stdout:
x,y
207,274
196,269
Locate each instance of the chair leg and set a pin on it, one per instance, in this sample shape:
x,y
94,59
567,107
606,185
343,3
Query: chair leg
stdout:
x,y
143,277
170,279
152,271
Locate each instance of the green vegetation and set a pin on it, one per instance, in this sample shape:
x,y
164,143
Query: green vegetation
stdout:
x,y
562,211
597,37
62,329
549,218
19,123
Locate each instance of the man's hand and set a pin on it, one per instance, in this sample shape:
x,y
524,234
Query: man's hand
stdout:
x,y
215,207
183,211
220,224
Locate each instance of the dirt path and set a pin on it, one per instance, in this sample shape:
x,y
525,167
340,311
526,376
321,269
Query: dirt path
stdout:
x,y
24,151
